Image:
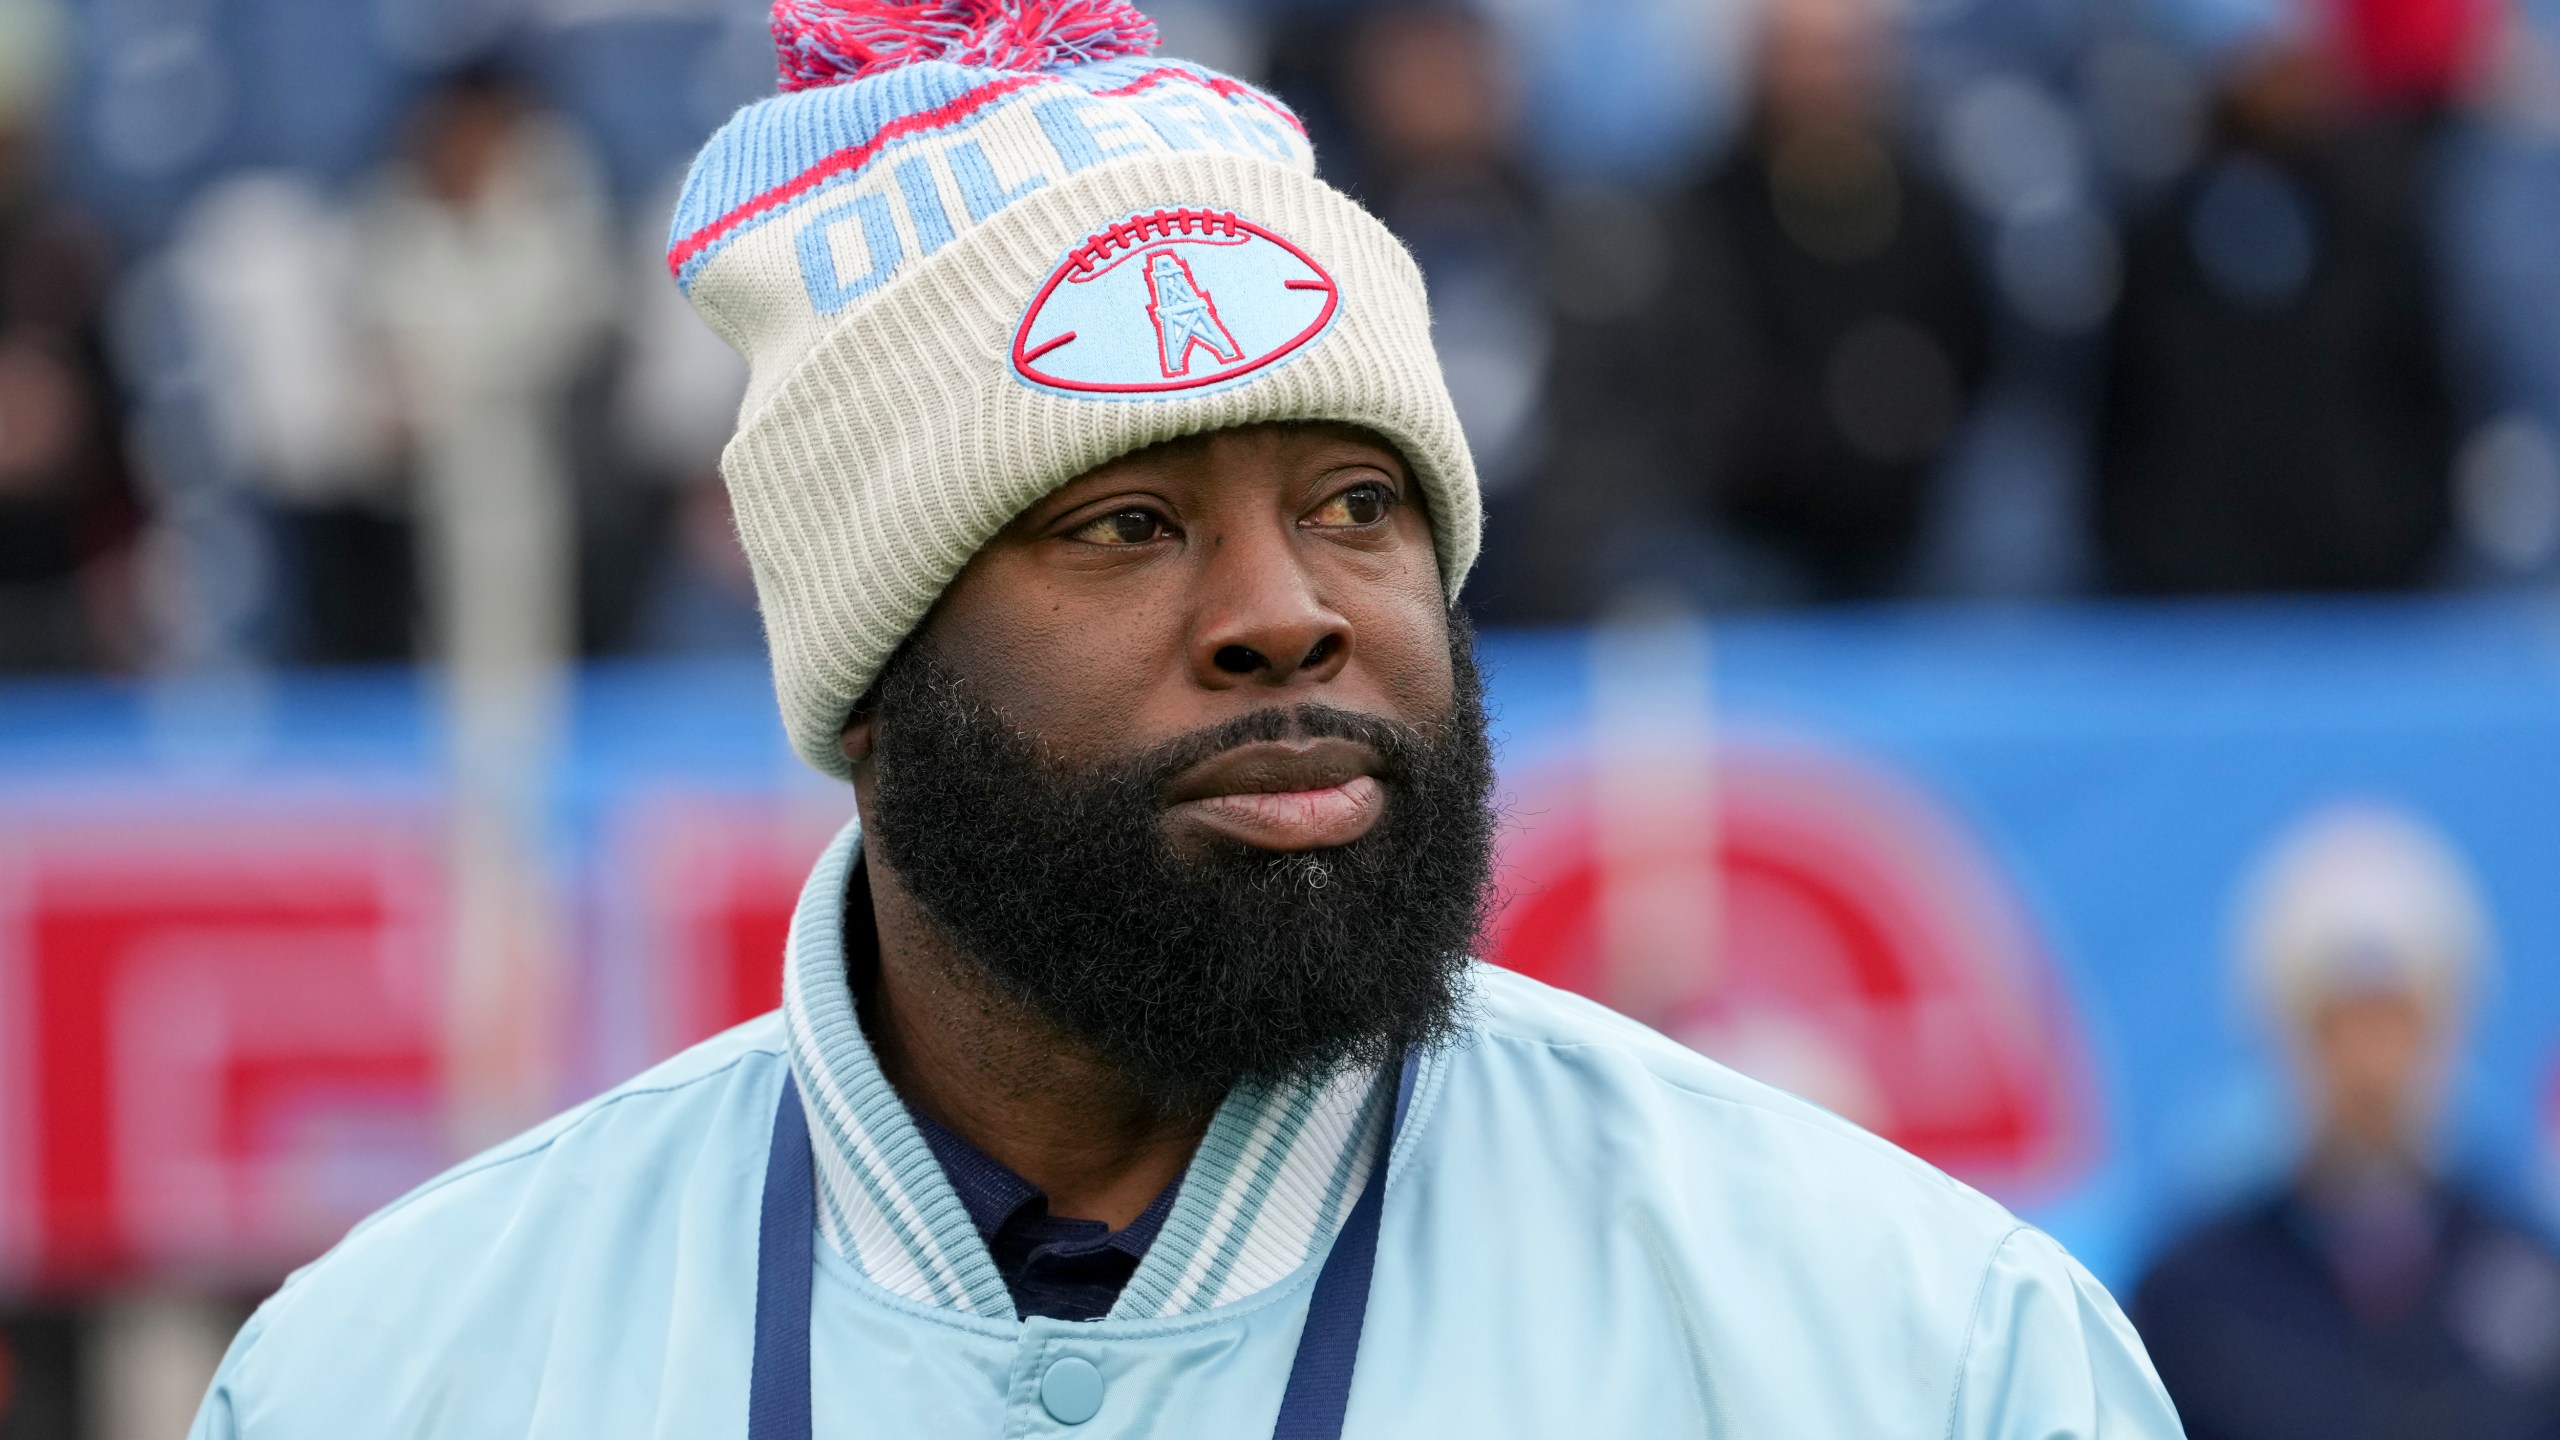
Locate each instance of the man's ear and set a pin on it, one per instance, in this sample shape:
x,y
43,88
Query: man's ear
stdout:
x,y
854,742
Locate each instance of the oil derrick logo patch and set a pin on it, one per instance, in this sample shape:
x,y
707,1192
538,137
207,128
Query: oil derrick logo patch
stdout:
x,y
1172,300
1184,315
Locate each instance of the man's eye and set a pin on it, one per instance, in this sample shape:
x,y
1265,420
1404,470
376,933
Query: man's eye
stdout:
x,y
1364,504
1122,527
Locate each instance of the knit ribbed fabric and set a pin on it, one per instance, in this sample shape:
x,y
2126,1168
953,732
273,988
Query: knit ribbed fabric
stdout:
x,y
877,249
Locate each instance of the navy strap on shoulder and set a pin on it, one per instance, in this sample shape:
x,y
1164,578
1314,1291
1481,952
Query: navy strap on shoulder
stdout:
x,y
786,1257
1311,1408
1320,1379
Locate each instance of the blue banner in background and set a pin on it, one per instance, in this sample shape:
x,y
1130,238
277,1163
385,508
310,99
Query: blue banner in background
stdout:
x,y
1973,877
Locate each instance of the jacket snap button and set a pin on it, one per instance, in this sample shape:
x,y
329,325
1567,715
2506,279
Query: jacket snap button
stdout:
x,y
1071,1391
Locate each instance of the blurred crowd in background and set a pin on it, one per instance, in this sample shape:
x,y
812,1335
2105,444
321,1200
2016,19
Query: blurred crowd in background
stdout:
x,y
337,332
1749,303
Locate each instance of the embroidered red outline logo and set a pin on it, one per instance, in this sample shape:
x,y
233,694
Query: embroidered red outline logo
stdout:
x,y
1212,298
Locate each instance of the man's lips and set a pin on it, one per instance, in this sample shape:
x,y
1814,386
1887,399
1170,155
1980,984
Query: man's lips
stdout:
x,y
1283,794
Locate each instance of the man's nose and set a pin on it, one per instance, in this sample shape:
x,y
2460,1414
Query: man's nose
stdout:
x,y
1260,617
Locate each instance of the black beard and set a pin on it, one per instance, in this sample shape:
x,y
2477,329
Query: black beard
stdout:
x,y
1193,973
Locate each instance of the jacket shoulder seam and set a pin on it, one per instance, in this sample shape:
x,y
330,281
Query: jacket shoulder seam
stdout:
x,y
226,1380
1973,1325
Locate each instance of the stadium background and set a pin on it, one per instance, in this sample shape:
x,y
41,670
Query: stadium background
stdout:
x,y
1955,840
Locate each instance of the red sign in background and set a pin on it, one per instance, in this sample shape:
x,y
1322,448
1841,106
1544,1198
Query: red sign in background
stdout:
x,y
220,1036
1816,922
699,901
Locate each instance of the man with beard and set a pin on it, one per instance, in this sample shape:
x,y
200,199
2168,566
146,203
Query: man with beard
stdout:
x,y
1131,1078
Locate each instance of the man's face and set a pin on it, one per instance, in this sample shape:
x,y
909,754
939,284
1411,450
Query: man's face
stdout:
x,y
1190,759
2371,1052
1187,585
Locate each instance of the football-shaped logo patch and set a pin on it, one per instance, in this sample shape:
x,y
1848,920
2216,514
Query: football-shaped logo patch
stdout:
x,y
1172,300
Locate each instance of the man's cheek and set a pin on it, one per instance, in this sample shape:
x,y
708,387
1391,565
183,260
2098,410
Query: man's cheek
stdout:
x,y
1413,669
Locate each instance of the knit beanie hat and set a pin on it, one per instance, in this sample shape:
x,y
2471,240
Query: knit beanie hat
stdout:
x,y
979,247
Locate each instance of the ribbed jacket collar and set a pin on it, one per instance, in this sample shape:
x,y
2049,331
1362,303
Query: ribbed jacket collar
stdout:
x,y
1271,1182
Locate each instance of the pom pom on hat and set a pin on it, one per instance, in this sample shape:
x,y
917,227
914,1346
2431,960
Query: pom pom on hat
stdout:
x,y
824,42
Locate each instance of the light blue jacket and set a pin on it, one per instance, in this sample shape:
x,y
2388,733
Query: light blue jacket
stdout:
x,y
1589,1231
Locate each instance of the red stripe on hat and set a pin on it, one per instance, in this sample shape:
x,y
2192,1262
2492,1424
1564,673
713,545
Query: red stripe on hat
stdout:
x,y
852,157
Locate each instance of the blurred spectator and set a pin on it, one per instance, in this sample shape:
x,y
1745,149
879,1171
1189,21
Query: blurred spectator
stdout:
x,y
67,513
1826,334
1429,98
1538,297
268,268
2503,194
676,402
2373,1295
2277,413
490,274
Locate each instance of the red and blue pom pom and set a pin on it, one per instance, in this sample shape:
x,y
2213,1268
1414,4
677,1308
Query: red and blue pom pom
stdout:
x,y
824,42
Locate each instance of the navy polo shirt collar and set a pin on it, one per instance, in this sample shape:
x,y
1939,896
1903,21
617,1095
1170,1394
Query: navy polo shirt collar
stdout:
x,y
1054,1265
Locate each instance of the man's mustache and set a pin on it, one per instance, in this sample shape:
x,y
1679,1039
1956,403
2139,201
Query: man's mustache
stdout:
x,y
1396,743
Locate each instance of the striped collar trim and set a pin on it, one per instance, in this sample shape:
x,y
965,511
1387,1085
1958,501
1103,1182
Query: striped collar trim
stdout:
x,y
1269,1186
